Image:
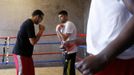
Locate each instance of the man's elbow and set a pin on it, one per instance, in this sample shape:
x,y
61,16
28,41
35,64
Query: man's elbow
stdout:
x,y
65,38
33,41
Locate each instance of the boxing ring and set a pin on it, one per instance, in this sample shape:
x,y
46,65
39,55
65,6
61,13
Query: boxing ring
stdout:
x,y
39,57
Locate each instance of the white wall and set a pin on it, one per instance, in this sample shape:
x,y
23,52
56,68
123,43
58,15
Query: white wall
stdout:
x,y
14,12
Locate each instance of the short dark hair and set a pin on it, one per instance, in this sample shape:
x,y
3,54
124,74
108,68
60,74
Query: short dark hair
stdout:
x,y
37,12
63,12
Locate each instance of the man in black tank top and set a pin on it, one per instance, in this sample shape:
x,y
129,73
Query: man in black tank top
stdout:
x,y
26,39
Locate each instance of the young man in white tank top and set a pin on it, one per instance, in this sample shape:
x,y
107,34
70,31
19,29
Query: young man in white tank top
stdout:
x,y
67,31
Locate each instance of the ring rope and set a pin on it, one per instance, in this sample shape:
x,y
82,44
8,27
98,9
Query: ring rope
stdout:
x,y
7,44
13,37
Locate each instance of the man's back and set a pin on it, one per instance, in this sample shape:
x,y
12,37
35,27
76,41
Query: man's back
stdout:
x,y
23,45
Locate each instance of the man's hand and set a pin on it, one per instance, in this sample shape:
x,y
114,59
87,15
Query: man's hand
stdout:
x,y
41,28
69,45
90,65
59,27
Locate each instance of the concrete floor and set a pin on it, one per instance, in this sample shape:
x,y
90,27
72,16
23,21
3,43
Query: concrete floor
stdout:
x,y
38,71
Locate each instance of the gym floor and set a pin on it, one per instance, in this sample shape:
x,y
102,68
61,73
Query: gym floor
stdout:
x,y
38,71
